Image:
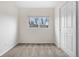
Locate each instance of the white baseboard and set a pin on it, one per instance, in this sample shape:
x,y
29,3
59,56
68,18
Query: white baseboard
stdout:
x,y
8,49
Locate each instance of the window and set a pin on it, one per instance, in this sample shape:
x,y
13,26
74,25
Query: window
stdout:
x,y
35,21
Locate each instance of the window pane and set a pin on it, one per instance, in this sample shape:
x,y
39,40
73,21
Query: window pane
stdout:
x,y
38,21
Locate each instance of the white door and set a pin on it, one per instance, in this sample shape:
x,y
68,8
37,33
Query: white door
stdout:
x,y
68,28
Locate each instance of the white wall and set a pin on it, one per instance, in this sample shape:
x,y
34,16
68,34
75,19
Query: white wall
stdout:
x,y
57,34
8,26
57,24
35,35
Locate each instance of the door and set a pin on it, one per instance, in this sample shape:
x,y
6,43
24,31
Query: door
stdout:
x,y
68,28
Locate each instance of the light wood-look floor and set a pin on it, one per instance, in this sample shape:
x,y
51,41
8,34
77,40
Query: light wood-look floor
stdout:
x,y
35,50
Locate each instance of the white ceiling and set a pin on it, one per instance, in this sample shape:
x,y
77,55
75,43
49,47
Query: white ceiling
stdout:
x,y
38,4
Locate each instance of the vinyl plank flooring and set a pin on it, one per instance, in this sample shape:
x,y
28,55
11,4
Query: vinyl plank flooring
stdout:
x,y
35,50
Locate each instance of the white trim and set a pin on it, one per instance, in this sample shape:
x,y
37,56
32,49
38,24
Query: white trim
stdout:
x,y
8,49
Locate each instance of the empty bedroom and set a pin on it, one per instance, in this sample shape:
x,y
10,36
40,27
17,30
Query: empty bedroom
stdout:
x,y
36,28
